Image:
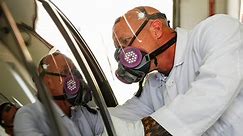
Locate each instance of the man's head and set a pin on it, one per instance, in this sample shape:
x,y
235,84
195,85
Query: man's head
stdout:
x,y
145,29
7,114
64,82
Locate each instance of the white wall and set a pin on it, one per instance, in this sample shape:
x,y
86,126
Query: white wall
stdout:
x,y
241,11
193,11
233,8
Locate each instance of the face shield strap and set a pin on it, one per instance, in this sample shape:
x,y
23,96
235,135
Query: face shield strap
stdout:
x,y
148,17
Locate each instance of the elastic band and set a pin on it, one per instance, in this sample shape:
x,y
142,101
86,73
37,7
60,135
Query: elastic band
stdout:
x,y
163,48
59,97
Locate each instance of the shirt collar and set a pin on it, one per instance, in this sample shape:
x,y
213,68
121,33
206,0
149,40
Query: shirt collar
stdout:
x,y
181,42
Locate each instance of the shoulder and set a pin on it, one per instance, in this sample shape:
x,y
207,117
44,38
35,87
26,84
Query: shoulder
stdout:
x,y
215,32
220,18
24,114
218,22
217,17
29,109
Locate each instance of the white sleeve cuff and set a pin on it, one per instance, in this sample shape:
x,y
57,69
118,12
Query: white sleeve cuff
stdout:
x,y
171,123
127,128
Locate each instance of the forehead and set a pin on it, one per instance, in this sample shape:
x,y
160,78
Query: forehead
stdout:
x,y
58,62
127,25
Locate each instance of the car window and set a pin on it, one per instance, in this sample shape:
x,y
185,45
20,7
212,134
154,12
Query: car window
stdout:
x,y
94,20
86,42
23,42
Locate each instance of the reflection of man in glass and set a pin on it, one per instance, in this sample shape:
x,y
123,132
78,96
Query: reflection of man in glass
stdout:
x,y
71,95
7,114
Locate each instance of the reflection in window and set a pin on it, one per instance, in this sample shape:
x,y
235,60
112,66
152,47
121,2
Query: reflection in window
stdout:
x,y
23,85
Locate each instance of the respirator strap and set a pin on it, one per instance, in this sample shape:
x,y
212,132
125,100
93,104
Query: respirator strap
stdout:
x,y
59,97
153,56
140,88
162,48
44,72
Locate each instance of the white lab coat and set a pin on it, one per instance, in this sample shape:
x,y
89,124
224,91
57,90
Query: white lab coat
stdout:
x,y
32,120
203,94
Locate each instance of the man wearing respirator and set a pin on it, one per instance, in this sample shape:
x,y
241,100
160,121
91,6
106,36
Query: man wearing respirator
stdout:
x,y
196,87
71,95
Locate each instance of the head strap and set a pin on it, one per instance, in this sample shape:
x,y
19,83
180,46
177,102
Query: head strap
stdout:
x,y
161,49
148,17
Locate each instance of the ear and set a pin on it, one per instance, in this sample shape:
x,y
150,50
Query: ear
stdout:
x,y
156,28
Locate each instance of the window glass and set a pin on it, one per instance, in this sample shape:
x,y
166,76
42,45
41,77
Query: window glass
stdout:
x,y
16,84
16,80
94,20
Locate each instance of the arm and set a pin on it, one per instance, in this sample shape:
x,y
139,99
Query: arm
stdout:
x,y
210,94
138,107
24,124
217,85
147,126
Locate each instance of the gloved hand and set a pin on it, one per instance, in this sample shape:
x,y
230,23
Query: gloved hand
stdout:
x,y
152,128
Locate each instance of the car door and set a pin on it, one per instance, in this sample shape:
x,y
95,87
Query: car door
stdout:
x,y
22,47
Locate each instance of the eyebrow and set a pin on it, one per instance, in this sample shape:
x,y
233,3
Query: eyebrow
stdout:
x,y
122,41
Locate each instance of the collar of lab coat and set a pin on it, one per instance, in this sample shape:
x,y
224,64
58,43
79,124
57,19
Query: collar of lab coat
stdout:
x,y
181,41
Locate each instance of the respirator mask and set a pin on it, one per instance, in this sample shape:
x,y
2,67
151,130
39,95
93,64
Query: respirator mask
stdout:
x,y
75,89
134,64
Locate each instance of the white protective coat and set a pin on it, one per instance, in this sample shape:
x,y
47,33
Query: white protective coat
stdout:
x,y
203,94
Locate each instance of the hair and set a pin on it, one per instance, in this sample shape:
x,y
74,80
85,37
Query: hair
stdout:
x,y
3,108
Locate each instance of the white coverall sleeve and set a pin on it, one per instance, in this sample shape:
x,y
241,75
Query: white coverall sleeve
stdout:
x,y
217,85
126,128
137,107
24,124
